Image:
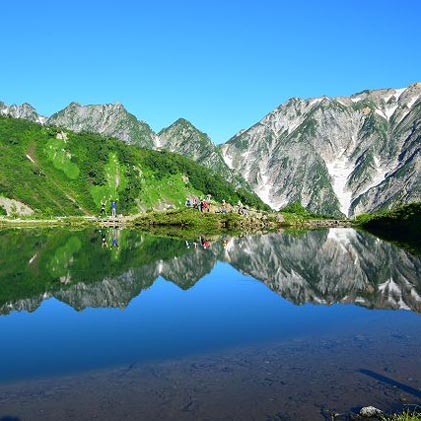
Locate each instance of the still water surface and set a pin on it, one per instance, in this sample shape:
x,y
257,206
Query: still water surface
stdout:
x,y
119,324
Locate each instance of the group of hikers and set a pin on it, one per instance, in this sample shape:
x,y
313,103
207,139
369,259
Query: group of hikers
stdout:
x,y
201,203
113,208
204,205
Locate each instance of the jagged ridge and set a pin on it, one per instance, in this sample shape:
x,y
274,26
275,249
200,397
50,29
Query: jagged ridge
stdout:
x,y
335,155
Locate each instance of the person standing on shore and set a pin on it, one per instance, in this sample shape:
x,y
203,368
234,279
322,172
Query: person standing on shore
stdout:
x,y
113,209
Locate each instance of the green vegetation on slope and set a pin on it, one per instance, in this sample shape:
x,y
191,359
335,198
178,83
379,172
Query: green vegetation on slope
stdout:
x,y
296,212
401,225
65,173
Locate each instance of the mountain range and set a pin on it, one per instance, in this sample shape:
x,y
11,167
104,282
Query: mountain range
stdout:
x,y
336,156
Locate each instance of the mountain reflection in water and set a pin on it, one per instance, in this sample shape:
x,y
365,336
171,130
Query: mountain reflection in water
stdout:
x,y
108,268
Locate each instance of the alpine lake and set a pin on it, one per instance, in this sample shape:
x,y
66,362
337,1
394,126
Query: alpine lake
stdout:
x,y
116,324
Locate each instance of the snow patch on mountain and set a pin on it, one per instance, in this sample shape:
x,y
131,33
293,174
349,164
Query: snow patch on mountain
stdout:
x,y
393,294
339,170
412,101
263,190
343,237
399,92
227,159
390,111
381,113
415,295
315,101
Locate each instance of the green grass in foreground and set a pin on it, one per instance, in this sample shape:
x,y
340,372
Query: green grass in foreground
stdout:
x,y
404,416
191,218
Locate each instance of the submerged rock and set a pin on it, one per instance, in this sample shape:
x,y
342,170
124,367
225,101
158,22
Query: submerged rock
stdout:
x,y
370,411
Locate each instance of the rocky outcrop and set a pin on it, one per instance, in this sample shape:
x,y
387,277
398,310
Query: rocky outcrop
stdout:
x,y
13,207
111,120
185,139
25,111
342,155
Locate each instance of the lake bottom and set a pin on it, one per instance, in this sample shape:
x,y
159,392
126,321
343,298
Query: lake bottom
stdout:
x,y
308,378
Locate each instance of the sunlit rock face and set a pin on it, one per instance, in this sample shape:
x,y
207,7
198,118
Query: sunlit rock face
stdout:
x,y
107,119
337,156
343,155
25,111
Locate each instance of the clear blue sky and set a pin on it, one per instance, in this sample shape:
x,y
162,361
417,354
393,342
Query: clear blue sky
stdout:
x,y
221,64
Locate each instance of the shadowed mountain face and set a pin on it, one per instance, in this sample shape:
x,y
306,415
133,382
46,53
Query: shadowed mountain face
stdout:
x,y
109,268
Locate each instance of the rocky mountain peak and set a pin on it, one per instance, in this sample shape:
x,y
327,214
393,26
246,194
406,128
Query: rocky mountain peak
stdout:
x,y
184,138
108,119
181,124
337,155
25,111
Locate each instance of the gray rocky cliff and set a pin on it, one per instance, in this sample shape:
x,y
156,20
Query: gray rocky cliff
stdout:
x,y
111,120
342,155
185,139
24,111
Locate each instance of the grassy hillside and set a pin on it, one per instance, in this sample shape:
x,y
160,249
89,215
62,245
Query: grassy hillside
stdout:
x,y
62,174
401,225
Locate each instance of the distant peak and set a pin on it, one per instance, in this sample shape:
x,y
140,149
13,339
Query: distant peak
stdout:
x,y
109,105
118,106
112,106
182,120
